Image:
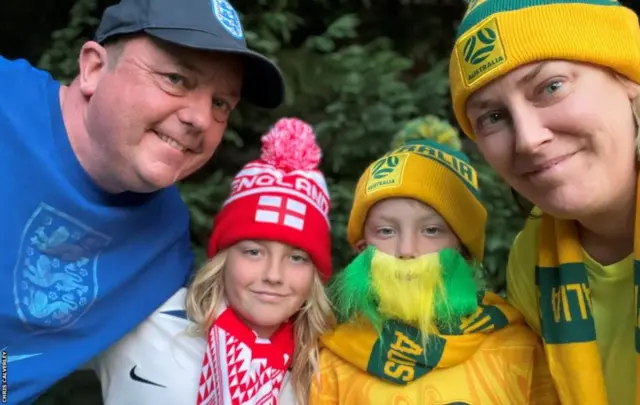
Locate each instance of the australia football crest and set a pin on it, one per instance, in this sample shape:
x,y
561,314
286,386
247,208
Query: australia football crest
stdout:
x,y
55,276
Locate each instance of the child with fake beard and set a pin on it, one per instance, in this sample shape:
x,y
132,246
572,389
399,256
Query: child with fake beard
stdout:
x,y
414,324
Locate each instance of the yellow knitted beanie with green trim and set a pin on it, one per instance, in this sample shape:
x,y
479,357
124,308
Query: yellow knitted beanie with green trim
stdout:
x,y
498,36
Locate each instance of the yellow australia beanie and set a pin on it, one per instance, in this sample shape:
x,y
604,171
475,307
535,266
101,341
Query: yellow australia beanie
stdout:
x,y
498,36
436,173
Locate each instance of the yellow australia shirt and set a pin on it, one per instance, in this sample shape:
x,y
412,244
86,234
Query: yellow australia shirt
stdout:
x,y
612,295
506,367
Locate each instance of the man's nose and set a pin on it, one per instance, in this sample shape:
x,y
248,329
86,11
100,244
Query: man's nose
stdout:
x,y
198,113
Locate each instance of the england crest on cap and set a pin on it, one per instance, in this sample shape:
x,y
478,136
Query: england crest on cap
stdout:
x,y
227,17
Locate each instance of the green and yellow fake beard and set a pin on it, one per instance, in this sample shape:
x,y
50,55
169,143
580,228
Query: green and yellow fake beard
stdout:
x,y
430,292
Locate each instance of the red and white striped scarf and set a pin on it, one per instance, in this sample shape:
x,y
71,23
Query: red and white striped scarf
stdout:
x,y
239,368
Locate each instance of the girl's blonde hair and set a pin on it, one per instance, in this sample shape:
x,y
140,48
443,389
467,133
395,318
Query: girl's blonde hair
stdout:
x,y
206,293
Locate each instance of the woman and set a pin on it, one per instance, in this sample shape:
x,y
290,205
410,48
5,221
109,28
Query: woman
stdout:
x,y
548,90
257,306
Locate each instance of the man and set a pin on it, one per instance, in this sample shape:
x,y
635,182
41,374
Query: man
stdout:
x,y
95,236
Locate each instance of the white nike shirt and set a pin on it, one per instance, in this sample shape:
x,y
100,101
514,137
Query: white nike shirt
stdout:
x,y
159,362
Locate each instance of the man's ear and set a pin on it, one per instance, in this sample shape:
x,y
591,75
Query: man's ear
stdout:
x,y
93,64
361,245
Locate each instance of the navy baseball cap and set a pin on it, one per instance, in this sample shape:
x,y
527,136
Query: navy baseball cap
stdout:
x,y
211,25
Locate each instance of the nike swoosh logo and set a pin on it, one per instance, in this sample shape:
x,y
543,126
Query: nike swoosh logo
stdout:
x,y
182,314
135,377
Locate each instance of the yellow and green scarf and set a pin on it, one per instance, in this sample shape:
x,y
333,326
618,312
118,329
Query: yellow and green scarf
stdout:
x,y
566,316
397,354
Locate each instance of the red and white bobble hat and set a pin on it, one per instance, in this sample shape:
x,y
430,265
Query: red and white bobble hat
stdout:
x,y
280,197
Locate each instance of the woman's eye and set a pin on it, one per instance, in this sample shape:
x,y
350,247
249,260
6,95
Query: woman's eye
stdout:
x,y
490,119
553,86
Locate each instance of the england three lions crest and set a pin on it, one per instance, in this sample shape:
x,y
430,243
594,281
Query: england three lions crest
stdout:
x,y
227,17
55,276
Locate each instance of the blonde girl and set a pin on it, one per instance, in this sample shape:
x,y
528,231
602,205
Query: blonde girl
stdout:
x,y
270,252
257,306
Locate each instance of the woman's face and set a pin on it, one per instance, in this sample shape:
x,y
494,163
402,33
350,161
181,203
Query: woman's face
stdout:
x,y
562,134
266,283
